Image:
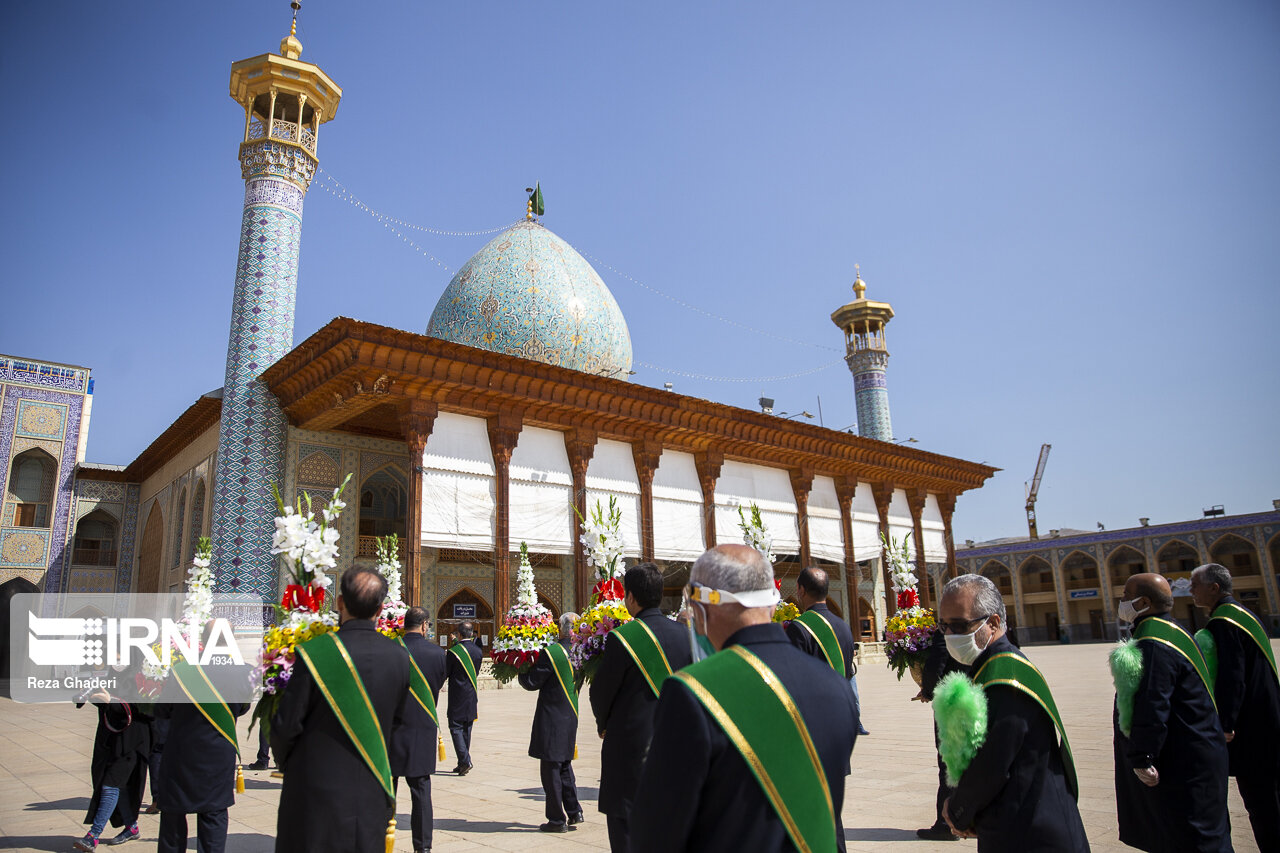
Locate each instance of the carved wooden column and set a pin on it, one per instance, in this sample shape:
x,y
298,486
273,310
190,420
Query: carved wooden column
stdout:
x,y
883,494
708,464
916,499
947,506
647,454
801,483
845,487
504,432
416,422
580,444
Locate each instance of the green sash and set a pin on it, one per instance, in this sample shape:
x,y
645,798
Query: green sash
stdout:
x,y
419,688
564,673
638,639
814,622
756,712
464,658
1015,671
207,699
340,684
1171,634
1247,622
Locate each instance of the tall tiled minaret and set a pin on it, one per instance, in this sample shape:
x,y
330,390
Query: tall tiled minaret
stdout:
x,y
285,101
863,322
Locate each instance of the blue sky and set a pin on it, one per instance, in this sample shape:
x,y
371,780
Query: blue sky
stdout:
x,y
1072,207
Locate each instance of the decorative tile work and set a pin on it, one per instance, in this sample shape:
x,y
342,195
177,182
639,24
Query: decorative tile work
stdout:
x,y
251,436
98,490
197,518
84,506
267,159
91,580
35,576
128,538
371,462
319,466
40,420
528,293
37,374
446,587
63,495
53,448
23,546
871,393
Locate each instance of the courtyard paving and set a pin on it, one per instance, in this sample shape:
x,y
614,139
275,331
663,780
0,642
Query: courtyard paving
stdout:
x,y
44,771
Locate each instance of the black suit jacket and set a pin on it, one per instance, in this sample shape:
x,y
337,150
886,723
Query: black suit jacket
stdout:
x,y
696,792
1175,728
623,706
413,743
938,663
1248,701
555,723
803,640
462,695
198,764
331,801
1015,791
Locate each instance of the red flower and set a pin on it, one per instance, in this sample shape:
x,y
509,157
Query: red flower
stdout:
x,y
908,598
610,589
777,584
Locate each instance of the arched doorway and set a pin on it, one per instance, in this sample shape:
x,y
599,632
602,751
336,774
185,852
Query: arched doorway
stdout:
x,y
466,605
1241,559
383,505
8,590
1039,600
867,621
95,540
1084,596
151,551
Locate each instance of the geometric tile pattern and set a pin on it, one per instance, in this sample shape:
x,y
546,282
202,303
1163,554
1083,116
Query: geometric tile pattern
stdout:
x,y
871,393
128,538
69,405
92,580
39,375
251,436
23,546
40,420
528,293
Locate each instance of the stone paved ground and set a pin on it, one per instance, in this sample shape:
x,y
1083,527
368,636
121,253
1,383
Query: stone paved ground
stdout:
x,y
44,768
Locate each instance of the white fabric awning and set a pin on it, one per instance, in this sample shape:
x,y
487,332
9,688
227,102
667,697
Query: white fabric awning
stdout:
x,y
900,522
458,500
866,524
826,535
934,531
541,493
741,485
677,508
612,473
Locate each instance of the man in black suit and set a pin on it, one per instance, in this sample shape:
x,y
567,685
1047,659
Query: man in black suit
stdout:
x,y
938,664
555,728
331,800
1248,697
812,589
462,693
623,699
413,744
696,791
1019,790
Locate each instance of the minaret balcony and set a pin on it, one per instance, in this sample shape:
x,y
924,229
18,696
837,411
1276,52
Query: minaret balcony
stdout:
x,y
283,131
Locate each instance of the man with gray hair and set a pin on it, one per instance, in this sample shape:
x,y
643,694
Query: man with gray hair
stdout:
x,y
750,745
555,728
1019,788
1248,695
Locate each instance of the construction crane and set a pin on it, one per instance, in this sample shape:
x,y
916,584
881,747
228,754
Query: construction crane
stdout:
x,y
1033,490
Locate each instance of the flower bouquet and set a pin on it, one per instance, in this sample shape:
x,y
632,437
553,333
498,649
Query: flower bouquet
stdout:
x,y
307,543
602,536
526,629
755,534
197,609
391,620
909,632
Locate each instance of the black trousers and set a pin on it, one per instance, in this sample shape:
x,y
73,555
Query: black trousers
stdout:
x,y
561,789
264,746
619,833
421,815
461,734
211,832
944,790
1261,795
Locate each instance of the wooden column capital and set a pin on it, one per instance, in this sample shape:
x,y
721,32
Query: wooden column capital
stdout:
x,y
947,506
580,445
846,487
883,494
708,464
504,433
647,454
417,419
801,483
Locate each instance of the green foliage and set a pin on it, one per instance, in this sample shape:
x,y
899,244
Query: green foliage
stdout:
x,y
1126,672
960,710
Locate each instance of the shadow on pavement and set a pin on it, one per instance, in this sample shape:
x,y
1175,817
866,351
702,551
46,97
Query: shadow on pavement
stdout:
x,y
880,833
80,804
584,793
459,825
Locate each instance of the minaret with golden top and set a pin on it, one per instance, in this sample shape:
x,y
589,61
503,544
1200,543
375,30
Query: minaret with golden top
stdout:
x,y
863,322
285,101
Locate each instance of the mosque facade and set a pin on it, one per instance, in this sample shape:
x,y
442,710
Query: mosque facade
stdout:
x,y
502,424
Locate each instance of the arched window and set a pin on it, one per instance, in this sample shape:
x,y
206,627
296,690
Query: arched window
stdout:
x,y
178,517
1238,555
96,538
31,483
1080,571
1126,562
1177,556
998,573
382,504
1037,576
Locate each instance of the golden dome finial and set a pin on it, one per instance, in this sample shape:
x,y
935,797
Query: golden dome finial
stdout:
x,y
528,210
290,47
859,286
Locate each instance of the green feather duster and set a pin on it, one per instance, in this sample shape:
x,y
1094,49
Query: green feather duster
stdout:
x,y
960,710
1209,649
1126,672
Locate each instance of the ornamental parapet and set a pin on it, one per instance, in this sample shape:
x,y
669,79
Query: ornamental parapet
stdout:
x,y
277,158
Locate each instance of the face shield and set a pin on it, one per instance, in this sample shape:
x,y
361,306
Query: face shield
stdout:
x,y
698,597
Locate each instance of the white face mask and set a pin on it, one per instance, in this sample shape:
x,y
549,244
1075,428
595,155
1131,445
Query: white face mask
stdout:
x,y
964,647
1127,614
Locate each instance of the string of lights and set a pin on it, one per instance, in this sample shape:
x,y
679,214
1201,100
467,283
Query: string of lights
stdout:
x,y
709,378
340,190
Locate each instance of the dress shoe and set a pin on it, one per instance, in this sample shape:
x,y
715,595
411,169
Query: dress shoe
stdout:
x,y
577,817
553,827
937,833
257,765
463,770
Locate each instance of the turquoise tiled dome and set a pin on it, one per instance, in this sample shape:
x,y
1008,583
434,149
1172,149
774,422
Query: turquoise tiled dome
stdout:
x,y
528,293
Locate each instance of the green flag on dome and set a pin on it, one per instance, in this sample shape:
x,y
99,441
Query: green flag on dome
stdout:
x,y
536,200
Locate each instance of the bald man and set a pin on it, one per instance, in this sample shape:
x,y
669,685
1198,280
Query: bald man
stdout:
x,y
1170,753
